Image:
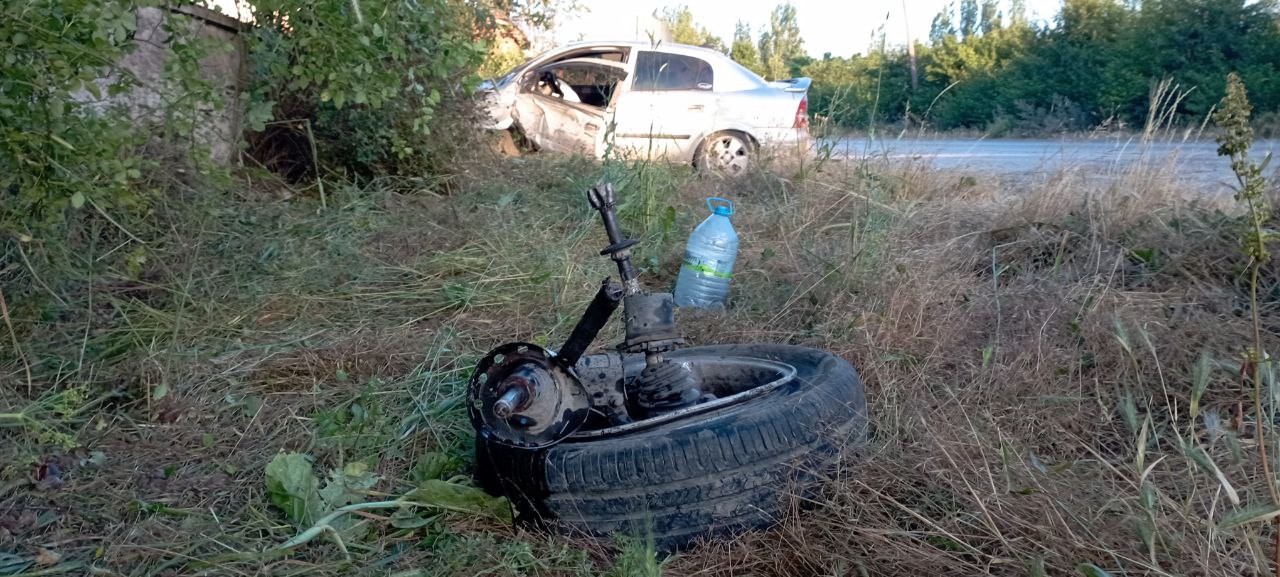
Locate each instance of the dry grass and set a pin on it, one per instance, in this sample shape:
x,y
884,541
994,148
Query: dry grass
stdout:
x,y
1001,343
1030,356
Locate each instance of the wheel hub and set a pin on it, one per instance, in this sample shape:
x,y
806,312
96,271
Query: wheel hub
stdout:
x,y
521,397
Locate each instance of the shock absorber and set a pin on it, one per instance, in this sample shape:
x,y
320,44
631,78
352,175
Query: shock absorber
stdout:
x,y
650,322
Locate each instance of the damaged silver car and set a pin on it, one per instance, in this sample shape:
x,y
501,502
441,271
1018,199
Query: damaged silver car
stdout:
x,y
640,100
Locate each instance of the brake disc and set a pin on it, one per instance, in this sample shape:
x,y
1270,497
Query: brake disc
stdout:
x,y
519,396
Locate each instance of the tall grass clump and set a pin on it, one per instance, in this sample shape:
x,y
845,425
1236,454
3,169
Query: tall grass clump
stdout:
x,y
1235,143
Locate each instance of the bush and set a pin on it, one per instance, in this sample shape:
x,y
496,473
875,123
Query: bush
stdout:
x,y
371,76
57,151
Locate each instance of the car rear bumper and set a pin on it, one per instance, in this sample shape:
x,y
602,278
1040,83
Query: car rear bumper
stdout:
x,y
784,137
785,142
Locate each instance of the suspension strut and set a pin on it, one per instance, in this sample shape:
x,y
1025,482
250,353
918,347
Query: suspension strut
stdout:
x,y
525,396
650,323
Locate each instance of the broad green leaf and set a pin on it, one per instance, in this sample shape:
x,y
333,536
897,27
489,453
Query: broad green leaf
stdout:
x,y
454,497
259,113
293,487
408,518
1091,570
431,466
348,485
77,200
345,487
1147,497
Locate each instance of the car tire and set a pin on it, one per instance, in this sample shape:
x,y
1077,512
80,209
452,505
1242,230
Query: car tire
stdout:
x,y
726,470
727,153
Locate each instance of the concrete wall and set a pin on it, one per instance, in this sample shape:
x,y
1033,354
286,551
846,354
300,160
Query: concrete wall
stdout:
x,y
220,130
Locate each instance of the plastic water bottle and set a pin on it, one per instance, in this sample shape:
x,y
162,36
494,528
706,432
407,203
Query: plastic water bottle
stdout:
x,y
708,259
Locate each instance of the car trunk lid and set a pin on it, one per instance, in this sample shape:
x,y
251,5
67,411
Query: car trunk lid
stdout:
x,y
800,84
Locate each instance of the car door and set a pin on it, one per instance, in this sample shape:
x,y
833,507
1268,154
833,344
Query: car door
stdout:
x,y
670,106
566,106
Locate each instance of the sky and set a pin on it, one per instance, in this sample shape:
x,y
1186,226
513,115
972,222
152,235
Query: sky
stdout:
x,y
841,27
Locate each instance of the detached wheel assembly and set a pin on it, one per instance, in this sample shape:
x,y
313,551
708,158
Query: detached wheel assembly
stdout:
x,y
715,472
653,440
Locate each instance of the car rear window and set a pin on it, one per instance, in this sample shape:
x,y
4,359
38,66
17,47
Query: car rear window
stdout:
x,y
663,71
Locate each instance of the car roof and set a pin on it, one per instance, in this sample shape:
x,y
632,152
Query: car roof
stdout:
x,y
735,76
593,61
663,46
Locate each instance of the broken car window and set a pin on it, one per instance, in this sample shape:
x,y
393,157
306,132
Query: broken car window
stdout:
x,y
580,81
602,53
662,71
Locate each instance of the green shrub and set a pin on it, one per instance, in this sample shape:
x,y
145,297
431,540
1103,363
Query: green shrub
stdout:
x,y
58,152
370,75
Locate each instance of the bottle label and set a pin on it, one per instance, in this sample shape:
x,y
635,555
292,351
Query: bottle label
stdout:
x,y
708,266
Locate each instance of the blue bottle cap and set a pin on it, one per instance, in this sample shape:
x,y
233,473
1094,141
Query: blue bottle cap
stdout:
x,y
720,206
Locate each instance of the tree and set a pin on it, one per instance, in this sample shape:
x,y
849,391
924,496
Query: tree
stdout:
x,y
781,43
1094,64
990,18
942,26
968,18
1018,12
743,50
1196,42
679,21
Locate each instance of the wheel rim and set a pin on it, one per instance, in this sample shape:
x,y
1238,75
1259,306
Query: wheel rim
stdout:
x,y
729,154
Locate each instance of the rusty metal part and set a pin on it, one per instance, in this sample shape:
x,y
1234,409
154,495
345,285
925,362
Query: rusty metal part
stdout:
x,y
593,319
651,329
651,323
520,396
664,386
604,378
731,379
510,402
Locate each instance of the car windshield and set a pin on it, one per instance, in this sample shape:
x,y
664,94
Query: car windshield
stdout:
x,y
506,79
602,52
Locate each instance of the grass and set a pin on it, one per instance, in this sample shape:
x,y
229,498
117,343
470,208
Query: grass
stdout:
x,y
1053,372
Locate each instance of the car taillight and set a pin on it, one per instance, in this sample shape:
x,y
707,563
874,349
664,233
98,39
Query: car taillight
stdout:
x,y
802,114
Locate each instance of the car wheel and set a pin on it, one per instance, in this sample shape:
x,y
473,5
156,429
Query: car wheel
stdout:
x,y
707,474
729,153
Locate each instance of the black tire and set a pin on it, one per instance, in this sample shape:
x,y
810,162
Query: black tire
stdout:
x,y
712,473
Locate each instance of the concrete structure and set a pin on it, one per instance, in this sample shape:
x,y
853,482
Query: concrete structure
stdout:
x,y
219,128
